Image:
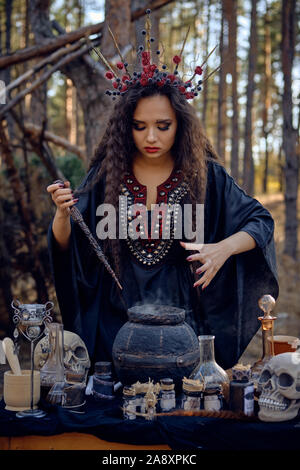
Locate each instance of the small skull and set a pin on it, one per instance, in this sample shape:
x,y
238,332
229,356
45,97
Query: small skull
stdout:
x,y
280,385
76,357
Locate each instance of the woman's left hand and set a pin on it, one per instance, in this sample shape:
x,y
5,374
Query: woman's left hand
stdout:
x,y
211,255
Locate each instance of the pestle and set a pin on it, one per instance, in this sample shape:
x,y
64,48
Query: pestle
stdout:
x,y
12,358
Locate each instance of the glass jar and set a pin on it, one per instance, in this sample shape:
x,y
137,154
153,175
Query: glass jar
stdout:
x,y
213,397
242,397
129,402
208,370
74,390
192,398
103,384
167,399
53,371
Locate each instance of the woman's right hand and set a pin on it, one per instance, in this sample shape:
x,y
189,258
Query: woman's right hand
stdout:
x,y
62,196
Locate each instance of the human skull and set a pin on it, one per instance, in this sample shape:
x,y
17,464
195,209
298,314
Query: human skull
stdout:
x,y
76,357
280,385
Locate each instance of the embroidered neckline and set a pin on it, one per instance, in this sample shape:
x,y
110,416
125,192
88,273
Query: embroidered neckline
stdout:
x,y
140,190
150,251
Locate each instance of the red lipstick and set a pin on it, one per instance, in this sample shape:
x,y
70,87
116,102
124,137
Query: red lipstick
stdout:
x,y
151,149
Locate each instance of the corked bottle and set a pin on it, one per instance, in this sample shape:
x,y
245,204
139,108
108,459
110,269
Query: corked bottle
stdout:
x,y
192,398
167,399
129,402
241,396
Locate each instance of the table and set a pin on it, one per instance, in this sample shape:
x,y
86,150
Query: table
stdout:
x,y
104,422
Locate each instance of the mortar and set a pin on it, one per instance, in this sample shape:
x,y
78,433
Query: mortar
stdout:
x,y
17,393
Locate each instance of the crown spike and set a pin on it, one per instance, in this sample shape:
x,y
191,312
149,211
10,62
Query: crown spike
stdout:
x,y
99,54
148,34
209,55
211,73
118,49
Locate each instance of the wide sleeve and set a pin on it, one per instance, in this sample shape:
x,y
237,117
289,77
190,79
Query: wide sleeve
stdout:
x,y
76,274
229,305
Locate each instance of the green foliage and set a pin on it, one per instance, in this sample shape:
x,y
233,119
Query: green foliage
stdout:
x,y
72,167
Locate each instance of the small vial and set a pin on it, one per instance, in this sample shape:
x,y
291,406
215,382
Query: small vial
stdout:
x,y
129,403
213,397
167,399
241,391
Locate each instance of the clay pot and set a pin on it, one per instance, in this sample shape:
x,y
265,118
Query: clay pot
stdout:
x,y
17,390
155,343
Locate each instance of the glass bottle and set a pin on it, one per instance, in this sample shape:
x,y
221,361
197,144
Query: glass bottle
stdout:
x,y
53,370
129,402
192,397
167,399
266,303
103,384
208,370
74,390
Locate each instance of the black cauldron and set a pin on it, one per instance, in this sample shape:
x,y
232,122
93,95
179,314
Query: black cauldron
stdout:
x,y
155,343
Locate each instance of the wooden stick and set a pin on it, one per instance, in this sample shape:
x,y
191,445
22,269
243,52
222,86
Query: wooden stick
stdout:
x,y
77,217
36,131
52,45
50,59
38,82
56,42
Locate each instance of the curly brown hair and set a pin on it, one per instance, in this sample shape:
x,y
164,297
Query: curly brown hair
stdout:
x,y
114,155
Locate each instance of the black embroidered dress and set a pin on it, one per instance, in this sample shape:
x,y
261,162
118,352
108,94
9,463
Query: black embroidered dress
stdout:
x,y
156,270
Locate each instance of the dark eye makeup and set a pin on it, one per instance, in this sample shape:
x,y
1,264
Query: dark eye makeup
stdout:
x,y
142,128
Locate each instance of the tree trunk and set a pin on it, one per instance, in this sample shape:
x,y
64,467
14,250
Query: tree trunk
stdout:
x,y
205,88
221,136
267,96
7,74
289,137
234,161
91,86
38,101
248,175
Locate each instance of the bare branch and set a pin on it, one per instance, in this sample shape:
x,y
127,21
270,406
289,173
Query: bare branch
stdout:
x,y
38,66
38,82
49,46
36,132
56,42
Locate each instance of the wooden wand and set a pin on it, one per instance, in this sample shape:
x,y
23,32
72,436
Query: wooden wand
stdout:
x,y
77,217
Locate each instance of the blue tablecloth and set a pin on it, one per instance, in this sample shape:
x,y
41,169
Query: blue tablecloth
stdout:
x,y
105,420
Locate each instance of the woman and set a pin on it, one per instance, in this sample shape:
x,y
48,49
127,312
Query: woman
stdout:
x,y
154,151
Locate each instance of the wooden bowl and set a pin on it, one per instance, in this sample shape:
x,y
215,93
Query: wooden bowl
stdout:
x,y
17,390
